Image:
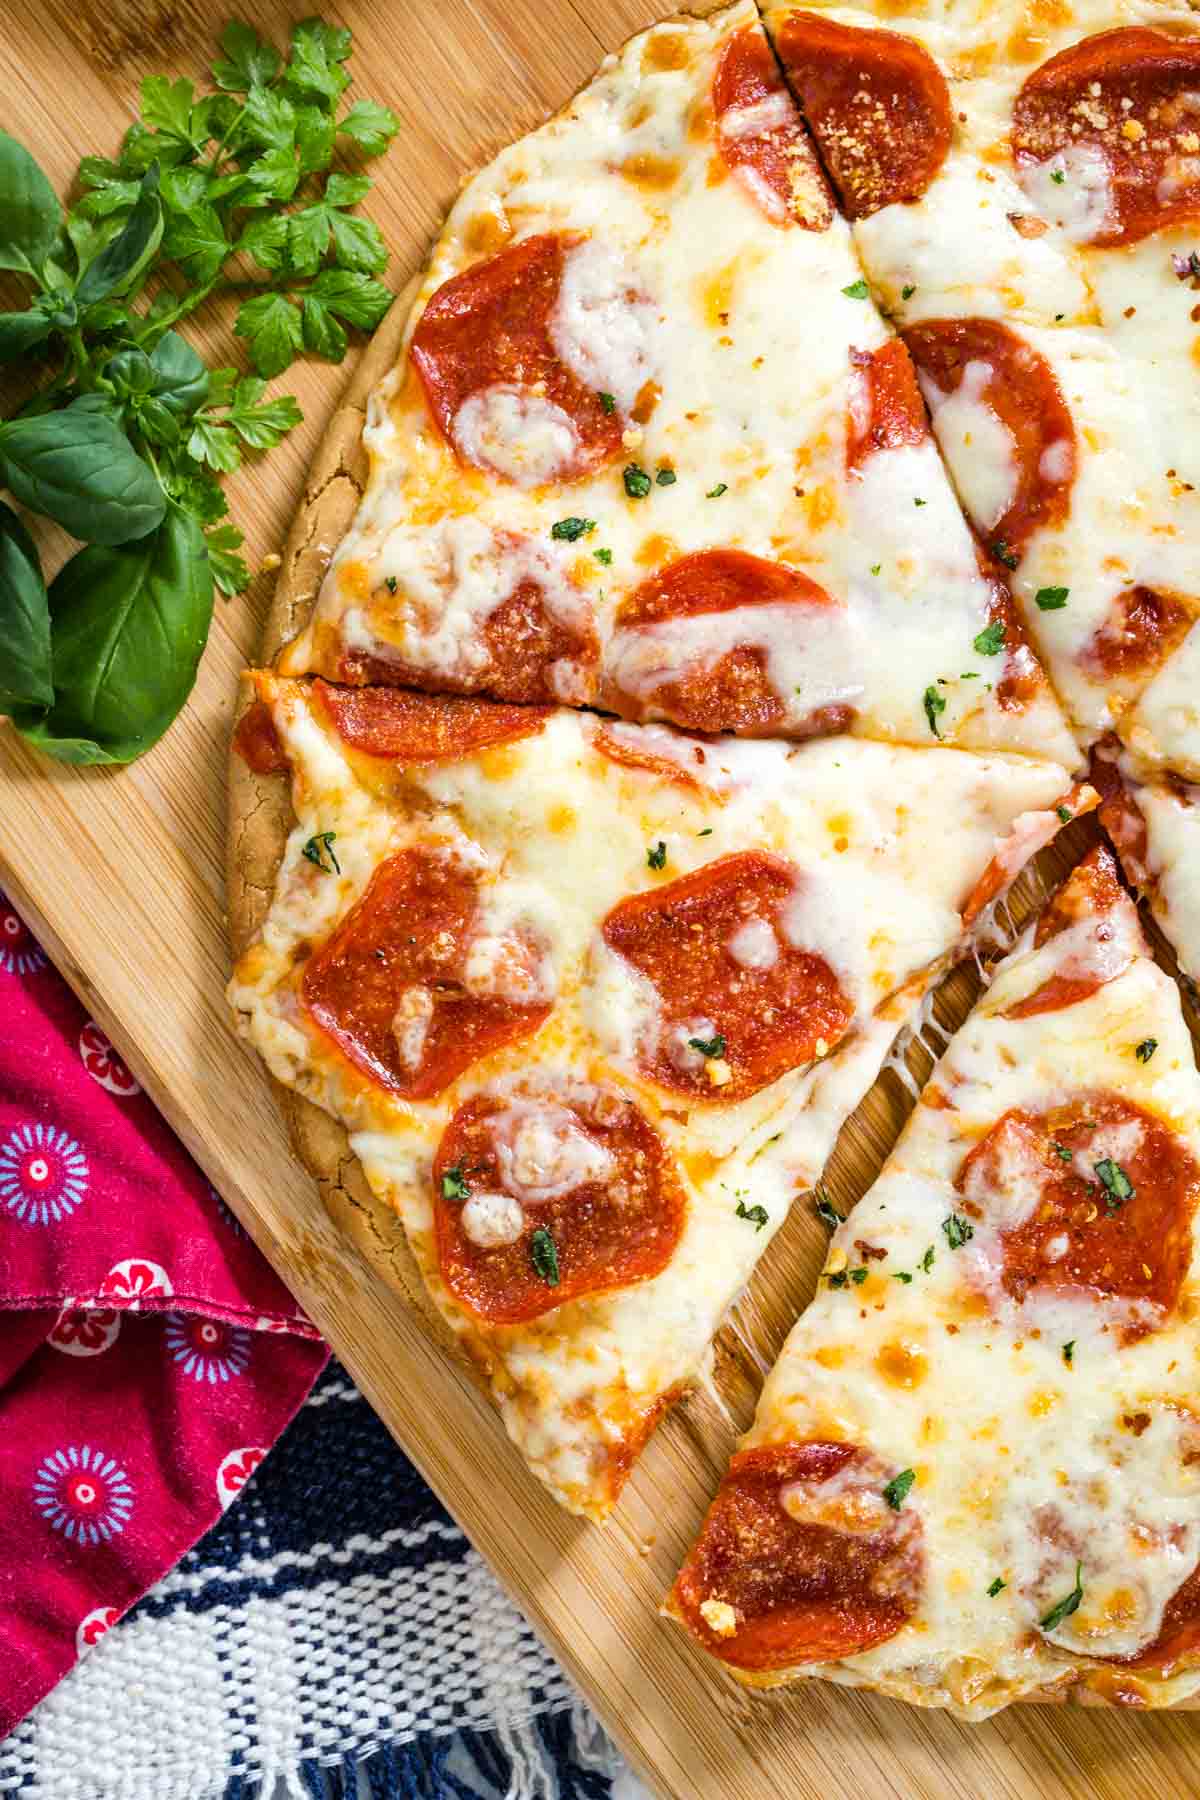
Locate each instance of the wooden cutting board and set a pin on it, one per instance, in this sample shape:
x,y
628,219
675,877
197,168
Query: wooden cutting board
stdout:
x,y
120,874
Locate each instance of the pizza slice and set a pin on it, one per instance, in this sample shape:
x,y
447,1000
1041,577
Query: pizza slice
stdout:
x,y
592,1001
974,1474
1015,198
1153,820
649,445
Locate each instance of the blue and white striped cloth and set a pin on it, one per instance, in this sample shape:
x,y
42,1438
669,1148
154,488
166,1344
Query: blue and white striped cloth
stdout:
x,y
334,1636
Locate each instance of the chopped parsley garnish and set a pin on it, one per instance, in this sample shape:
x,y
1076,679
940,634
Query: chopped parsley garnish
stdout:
x,y
656,855
896,1491
997,1587
990,641
1051,599
901,1275
390,583
666,477
908,290
935,705
827,1210
713,1046
320,847
875,568
1067,1605
958,1230
839,1279
1002,553
603,555
1117,1186
1146,1049
454,1184
1065,814
543,1254
707,832
1058,176
637,482
1069,1353
1061,1151
714,493
858,1276
757,1215
571,529
927,1260
858,290
608,402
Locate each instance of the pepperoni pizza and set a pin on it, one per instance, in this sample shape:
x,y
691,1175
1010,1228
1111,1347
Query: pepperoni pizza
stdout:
x,y
974,1475
670,715
590,1081
619,464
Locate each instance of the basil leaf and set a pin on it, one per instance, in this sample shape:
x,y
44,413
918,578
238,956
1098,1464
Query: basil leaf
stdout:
x,y
79,468
120,263
21,332
30,216
24,619
128,625
181,379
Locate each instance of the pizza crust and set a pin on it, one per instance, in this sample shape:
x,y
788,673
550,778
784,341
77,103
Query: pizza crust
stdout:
x,y
260,807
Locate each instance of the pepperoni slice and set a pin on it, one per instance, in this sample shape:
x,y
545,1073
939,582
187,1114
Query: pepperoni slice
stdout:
x,y
968,363
878,106
1116,113
1177,1645
886,409
397,988
1120,814
1103,1193
402,726
801,1559
666,756
722,688
257,742
1092,898
716,946
762,137
494,379
1143,627
540,1198
534,656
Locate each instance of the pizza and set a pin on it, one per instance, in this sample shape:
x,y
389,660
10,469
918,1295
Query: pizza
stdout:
x,y
618,465
593,999
772,522
974,1473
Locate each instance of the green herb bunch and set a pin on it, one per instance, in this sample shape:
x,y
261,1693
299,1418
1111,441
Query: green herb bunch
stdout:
x,y
125,442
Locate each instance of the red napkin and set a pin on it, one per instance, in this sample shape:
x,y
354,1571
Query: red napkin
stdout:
x,y
148,1355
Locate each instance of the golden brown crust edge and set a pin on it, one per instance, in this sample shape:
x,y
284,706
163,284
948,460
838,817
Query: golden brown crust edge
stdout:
x,y
260,807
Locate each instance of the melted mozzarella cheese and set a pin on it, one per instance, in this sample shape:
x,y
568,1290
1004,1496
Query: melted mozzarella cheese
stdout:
x,y
602,329
492,1220
1073,189
521,435
888,840
977,445
542,1152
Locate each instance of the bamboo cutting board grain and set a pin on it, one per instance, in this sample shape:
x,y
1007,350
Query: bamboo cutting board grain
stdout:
x,y
121,874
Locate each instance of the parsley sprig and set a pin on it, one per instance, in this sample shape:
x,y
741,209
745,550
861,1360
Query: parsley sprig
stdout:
x,y
226,193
